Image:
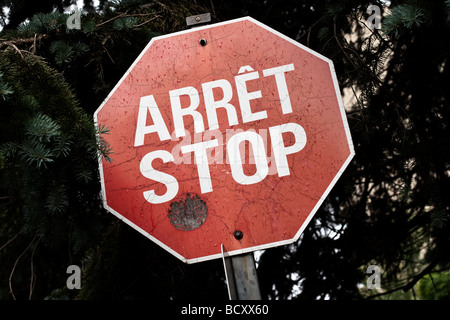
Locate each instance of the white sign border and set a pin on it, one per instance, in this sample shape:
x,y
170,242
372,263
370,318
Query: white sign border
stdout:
x,y
316,207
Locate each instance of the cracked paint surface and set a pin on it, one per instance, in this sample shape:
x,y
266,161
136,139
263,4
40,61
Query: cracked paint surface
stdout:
x,y
270,212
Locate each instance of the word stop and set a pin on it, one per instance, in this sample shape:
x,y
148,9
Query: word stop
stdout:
x,y
257,146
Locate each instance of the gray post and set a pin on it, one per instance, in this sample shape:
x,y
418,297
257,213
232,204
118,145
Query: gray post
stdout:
x,y
240,272
245,277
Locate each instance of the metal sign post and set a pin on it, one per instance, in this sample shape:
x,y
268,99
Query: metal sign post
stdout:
x,y
240,273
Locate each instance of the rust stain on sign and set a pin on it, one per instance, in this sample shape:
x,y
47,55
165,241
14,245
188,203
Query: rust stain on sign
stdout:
x,y
188,213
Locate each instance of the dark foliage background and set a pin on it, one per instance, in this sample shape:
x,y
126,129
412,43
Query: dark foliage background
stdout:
x,y
390,208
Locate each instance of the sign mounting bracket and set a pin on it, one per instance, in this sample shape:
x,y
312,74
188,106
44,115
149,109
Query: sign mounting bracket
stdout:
x,y
198,19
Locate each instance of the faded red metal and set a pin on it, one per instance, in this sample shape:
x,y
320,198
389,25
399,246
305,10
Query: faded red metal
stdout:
x,y
193,224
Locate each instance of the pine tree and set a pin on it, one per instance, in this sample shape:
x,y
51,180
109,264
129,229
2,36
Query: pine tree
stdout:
x,y
51,213
390,208
49,154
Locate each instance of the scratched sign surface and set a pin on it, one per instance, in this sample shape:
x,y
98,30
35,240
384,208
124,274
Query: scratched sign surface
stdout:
x,y
224,130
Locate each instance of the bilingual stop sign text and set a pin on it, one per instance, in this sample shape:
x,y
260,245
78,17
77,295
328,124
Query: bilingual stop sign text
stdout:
x,y
227,134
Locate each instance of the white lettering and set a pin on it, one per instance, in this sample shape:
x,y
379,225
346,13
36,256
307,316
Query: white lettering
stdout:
x,y
280,80
201,158
211,105
73,281
178,113
198,310
374,280
245,97
280,151
374,20
207,147
149,172
180,158
236,162
218,150
148,103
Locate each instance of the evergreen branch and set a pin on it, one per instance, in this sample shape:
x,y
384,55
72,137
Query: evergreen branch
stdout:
x,y
104,149
9,148
410,284
10,240
125,15
36,152
145,22
57,200
14,47
340,45
5,89
63,52
17,42
308,31
407,15
62,146
375,33
33,275
14,268
42,127
107,52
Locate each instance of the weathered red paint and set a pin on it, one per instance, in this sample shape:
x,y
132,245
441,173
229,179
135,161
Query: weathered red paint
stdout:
x,y
270,212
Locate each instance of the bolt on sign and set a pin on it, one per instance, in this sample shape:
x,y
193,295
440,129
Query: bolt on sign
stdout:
x,y
231,134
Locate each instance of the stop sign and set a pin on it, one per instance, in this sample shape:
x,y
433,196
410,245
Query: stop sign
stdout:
x,y
227,134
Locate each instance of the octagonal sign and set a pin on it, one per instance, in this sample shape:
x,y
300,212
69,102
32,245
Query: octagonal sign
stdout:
x,y
228,134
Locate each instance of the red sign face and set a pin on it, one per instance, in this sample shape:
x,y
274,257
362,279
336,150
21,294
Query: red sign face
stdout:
x,y
227,134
